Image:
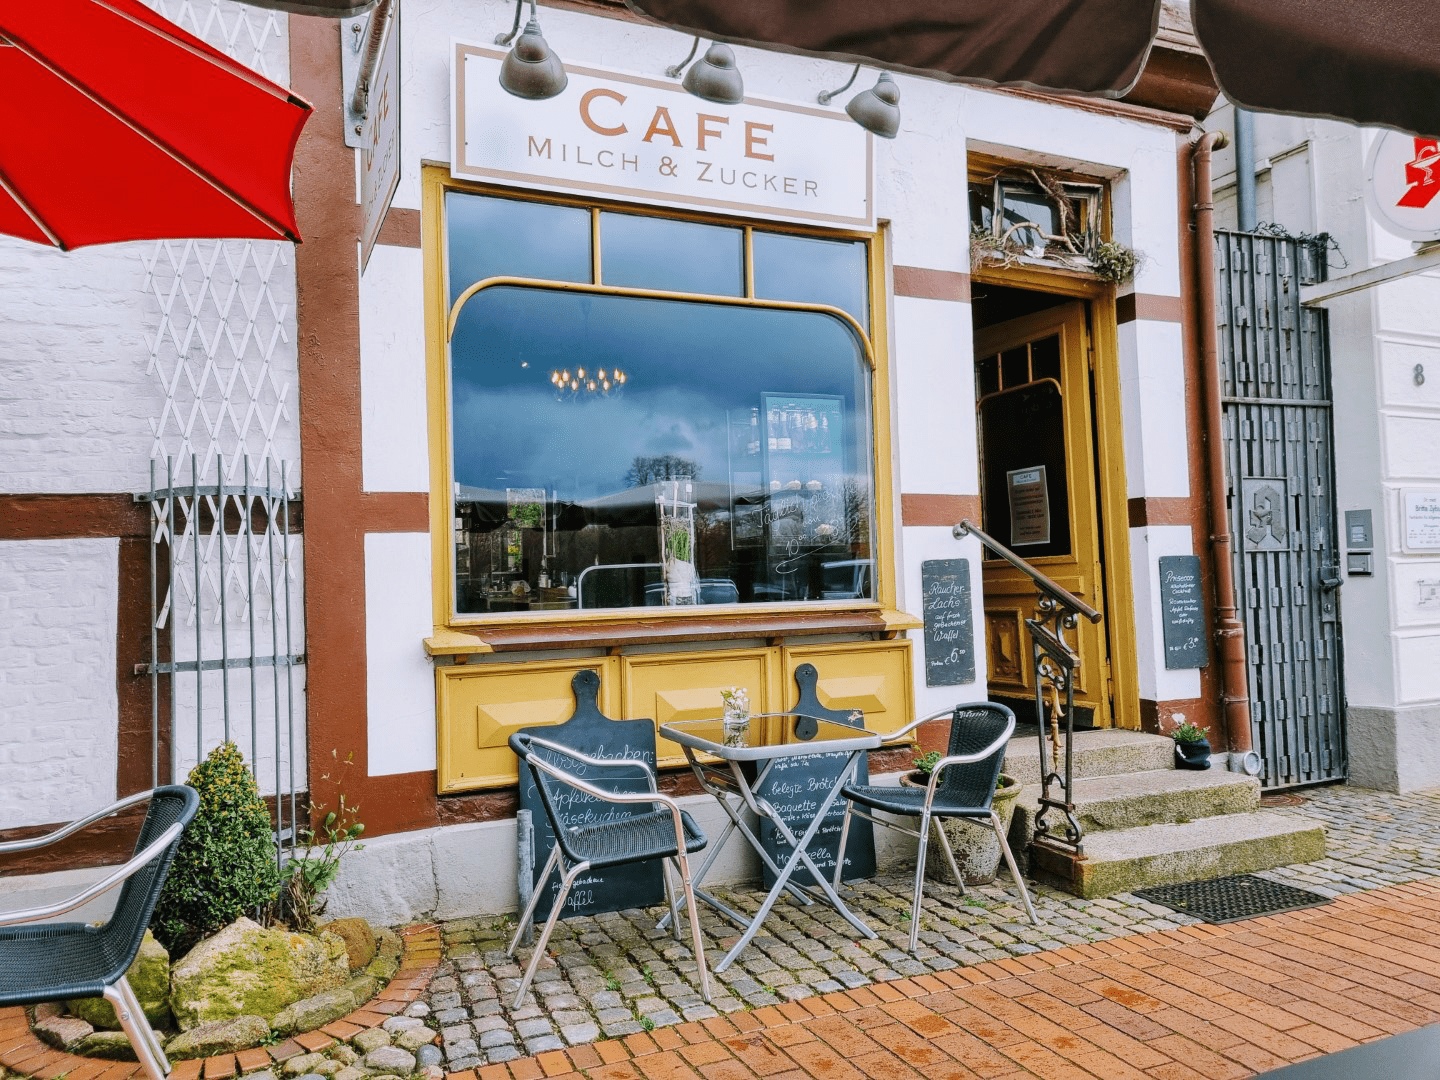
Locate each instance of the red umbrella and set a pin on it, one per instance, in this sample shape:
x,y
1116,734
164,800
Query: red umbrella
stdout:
x,y
121,126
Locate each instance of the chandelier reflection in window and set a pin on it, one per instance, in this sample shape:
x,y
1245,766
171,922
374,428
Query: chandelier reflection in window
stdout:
x,y
584,382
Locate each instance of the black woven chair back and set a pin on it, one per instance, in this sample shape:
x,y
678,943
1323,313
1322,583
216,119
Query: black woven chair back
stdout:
x,y
972,729
136,903
555,794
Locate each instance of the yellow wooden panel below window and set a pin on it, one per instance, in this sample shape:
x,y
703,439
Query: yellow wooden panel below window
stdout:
x,y
686,686
872,676
480,705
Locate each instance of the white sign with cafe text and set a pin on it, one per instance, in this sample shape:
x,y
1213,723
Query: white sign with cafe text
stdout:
x,y
644,139
380,145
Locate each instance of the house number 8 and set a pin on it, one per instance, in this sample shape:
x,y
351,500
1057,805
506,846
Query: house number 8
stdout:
x,y
1419,374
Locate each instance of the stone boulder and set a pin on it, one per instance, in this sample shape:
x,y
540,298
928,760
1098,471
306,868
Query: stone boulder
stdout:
x,y
358,937
105,1044
149,977
219,1037
247,970
62,1032
314,1012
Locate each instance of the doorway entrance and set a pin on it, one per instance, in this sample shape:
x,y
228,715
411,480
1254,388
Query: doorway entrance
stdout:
x,y
1045,491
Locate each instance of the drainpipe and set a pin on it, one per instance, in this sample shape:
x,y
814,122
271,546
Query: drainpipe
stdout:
x,y
1245,169
1229,631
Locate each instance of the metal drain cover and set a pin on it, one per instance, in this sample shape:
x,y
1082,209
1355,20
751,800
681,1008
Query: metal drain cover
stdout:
x,y
1230,899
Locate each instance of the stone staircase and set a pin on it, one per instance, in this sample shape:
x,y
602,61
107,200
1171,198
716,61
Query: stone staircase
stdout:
x,y
1148,823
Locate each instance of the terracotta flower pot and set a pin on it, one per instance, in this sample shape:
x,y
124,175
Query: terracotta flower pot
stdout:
x,y
977,851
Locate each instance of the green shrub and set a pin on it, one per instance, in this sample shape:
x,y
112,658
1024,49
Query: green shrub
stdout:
x,y
226,863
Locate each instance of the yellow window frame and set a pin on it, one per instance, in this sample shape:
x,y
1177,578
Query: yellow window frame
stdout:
x,y
464,634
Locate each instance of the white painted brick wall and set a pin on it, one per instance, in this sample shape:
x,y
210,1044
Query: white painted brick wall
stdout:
x,y
58,707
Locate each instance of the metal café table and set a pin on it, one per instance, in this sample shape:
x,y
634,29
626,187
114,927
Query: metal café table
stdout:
x,y
738,772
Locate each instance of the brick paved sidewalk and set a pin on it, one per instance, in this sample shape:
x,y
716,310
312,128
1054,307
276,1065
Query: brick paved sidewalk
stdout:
x,y
1193,1003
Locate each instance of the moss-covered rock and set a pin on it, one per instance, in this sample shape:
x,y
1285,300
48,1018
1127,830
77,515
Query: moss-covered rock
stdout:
x,y
112,1045
246,970
149,977
315,1012
220,1037
358,937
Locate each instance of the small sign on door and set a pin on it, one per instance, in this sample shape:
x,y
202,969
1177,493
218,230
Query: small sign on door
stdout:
x,y
1029,506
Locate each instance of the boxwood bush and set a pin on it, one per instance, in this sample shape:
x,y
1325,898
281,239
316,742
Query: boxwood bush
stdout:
x,y
225,867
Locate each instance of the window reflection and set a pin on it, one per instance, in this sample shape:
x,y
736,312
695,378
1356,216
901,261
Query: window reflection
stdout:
x,y
491,237
807,270
732,466
673,256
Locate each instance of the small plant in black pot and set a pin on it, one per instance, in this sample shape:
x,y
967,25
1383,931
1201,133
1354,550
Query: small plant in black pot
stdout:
x,y
1192,749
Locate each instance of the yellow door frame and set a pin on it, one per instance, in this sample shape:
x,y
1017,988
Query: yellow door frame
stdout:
x,y
1113,495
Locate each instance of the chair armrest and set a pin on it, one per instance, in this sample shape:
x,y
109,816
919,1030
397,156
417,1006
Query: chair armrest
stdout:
x,y
145,858
604,763
896,736
74,826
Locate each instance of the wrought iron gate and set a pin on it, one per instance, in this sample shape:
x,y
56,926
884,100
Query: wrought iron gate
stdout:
x,y
1279,445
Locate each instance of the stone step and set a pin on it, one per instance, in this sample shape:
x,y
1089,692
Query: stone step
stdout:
x,y
1104,752
1161,797
1122,860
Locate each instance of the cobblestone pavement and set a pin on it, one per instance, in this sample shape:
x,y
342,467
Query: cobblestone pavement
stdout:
x,y
614,975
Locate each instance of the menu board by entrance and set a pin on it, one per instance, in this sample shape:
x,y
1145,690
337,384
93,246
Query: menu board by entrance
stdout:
x,y
1029,506
1182,612
949,633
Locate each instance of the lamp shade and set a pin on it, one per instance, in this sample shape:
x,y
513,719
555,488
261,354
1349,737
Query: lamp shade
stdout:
x,y
715,77
530,69
877,110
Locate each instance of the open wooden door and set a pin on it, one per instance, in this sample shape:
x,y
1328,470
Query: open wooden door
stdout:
x,y
1039,497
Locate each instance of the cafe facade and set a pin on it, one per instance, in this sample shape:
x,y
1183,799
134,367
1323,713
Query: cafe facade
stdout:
x,y
688,394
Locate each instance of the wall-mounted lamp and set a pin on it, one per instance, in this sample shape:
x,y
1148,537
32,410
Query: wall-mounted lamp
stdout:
x,y
714,77
530,69
877,110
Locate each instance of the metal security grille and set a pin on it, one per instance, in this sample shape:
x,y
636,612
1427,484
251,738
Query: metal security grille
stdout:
x,y
1230,899
1279,445
227,630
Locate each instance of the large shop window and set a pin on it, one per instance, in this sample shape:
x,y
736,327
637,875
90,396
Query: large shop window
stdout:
x,y
681,432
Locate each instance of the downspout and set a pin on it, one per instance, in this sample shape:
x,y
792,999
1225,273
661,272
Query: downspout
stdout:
x,y
1229,631
1245,169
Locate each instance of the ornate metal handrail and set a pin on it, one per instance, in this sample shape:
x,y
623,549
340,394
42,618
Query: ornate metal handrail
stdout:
x,y
1057,611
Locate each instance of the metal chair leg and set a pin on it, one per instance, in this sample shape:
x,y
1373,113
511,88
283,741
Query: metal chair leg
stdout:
x,y
683,864
1014,871
670,899
565,883
137,1029
925,820
840,852
949,854
529,913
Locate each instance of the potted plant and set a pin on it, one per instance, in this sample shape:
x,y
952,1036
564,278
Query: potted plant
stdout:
x,y
977,851
1192,749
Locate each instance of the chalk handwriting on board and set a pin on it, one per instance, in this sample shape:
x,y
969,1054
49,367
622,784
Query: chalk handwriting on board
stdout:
x,y
1182,612
949,632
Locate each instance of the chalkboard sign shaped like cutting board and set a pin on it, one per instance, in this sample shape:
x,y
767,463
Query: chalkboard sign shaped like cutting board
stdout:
x,y
949,633
590,732
1182,612
796,786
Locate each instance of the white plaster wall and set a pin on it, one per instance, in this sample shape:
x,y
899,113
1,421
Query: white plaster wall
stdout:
x,y
1147,546
57,679
399,679
394,438
934,372
1152,401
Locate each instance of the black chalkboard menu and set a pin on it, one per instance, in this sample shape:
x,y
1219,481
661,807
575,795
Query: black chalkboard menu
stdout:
x,y
795,787
592,733
949,632
1182,612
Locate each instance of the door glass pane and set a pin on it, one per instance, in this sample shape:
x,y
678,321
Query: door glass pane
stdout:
x,y
1025,490
490,237
1014,367
987,376
806,270
675,256
615,451
1045,358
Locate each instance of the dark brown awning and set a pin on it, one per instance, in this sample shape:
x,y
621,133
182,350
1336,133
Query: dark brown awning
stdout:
x,y
1370,61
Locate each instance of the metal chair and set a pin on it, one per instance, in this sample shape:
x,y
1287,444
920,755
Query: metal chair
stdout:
x,y
667,833
962,785
56,961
